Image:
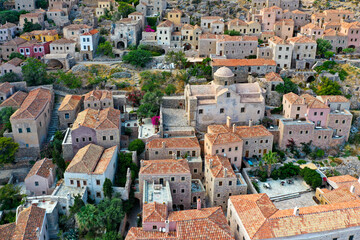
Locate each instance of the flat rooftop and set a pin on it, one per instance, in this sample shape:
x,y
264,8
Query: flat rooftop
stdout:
x,y
197,186
156,193
174,117
277,189
63,191
147,129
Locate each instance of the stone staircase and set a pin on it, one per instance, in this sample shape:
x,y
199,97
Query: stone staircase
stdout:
x,y
54,122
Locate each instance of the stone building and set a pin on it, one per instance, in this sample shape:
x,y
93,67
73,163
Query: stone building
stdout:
x,y
209,104
74,31
221,181
41,35
269,222
35,17
174,173
257,140
98,99
68,110
88,44
284,4
41,178
300,18
281,52
242,68
63,46
14,101
34,49
12,66
151,8
338,40
101,127
331,15
177,148
30,122
59,16
163,33
27,5
311,119
352,31
269,83
127,31
90,167
6,90
243,27
212,24
284,28
304,51
10,47
7,31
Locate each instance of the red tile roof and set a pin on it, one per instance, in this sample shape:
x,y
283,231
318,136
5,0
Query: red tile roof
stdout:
x,y
14,100
273,77
334,98
174,143
70,102
242,131
42,168
166,166
222,138
5,87
108,118
154,212
301,39
243,62
15,62
219,165
98,95
33,104
29,220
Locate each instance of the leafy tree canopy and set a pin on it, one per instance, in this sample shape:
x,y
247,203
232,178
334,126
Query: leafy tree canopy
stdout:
x,y
323,46
10,197
327,87
287,86
8,149
69,79
137,145
29,26
16,55
105,49
34,72
138,57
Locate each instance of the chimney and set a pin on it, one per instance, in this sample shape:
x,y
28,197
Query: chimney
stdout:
x,y
250,123
352,189
210,163
198,204
228,121
234,128
167,226
174,156
225,172
296,211
37,233
163,144
141,163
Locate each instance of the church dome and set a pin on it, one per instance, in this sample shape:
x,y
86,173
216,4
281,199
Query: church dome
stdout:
x,y
224,72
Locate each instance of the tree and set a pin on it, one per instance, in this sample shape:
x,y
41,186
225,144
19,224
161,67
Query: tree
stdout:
x,y
125,161
29,26
78,204
110,213
170,89
88,218
125,9
177,58
5,115
16,55
286,87
105,49
138,57
323,46
134,97
41,4
10,197
34,72
329,54
137,145
311,177
8,149
327,87
10,77
150,104
270,158
69,79
107,188
9,16
348,50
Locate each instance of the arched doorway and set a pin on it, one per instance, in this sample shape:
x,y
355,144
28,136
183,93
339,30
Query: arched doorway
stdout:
x,y
351,46
310,79
339,50
55,64
120,45
187,46
307,65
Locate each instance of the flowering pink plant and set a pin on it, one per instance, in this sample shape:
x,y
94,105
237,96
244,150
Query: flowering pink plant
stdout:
x,y
155,120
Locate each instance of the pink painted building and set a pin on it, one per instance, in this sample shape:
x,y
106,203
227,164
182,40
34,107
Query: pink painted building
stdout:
x,y
34,49
352,31
41,177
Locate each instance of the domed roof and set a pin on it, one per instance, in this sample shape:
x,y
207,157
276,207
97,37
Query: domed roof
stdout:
x,y
224,72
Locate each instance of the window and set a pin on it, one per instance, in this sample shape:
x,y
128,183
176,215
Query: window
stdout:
x,y
172,179
242,109
104,138
154,227
36,183
67,116
98,194
230,183
111,138
246,143
20,130
290,132
83,139
237,228
174,190
200,111
97,182
220,183
28,130
182,178
228,94
217,151
221,110
84,183
229,149
236,148
170,152
90,139
195,170
182,190
351,237
72,182
218,195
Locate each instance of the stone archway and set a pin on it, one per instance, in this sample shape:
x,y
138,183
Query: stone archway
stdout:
x,y
55,64
187,46
351,46
120,45
86,57
339,49
310,79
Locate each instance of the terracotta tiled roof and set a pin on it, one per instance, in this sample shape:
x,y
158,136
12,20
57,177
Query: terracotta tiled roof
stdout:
x,y
298,12
301,39
33,104
14,100
291,97
185,142
206,223
7,25
45,32
277,40
222,138
341,194
91,32
41,168
236,22
108,118
311,26
6,231
211,18
218,166
91,159
273,77
136,14
29,220
166,23
70,102
30,15
243,62
14,42
166,166
334,98
252,132
5,87
77,27
228,38
262,220
342,179
31,43
63,41
313,102
187,27
154,212
98,95
15,62
208,36
285,22
175,10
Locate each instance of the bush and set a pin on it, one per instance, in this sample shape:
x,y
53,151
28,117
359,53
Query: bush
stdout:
x,y
256,186
137,145
275,174
262,175
311,177
138,58
301,162
125,162
170,89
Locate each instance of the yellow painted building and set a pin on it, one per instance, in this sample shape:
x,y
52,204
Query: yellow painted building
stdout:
x,y
41,35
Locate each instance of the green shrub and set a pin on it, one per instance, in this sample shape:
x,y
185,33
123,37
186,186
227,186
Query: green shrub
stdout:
x,y
311,177
301,162
262,175
256,186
